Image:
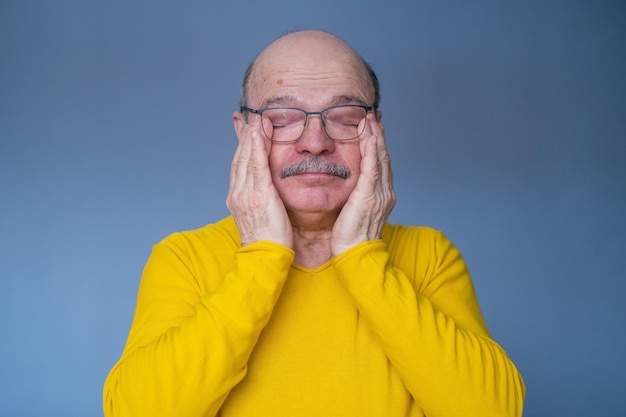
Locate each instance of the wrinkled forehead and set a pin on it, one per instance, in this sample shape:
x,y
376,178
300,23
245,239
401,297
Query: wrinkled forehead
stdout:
x,y
309,64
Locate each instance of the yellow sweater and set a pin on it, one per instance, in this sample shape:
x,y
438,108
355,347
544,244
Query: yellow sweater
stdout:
x,y
391,327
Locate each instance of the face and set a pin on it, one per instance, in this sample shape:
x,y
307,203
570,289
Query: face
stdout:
x,y
310,72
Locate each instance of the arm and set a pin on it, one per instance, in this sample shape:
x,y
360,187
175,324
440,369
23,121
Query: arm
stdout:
x,y
432,330
189,344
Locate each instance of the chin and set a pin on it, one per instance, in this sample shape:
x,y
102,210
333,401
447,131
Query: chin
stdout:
x,y
315,199
314,206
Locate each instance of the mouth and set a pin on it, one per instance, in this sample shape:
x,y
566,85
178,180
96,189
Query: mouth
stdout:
x,y
315,166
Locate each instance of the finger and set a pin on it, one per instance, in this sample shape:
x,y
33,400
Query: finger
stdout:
x,y
378,130
370,126
240,162
259,163
241,159
369,161
235,164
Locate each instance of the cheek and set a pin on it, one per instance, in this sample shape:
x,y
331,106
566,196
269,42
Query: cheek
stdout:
x,y
353,161
274,159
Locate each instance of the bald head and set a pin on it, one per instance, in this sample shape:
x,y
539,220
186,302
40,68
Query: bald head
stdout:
x,y
313,54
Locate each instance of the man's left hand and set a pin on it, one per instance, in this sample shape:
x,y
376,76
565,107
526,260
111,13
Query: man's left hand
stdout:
x,y
364,215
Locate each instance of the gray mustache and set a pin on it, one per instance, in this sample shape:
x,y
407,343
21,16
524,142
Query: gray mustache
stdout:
x,y
316,165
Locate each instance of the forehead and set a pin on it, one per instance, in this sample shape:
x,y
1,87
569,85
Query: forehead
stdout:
x,y
309,71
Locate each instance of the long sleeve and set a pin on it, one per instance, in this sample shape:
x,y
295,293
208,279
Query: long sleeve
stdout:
x,y
196,324
416,295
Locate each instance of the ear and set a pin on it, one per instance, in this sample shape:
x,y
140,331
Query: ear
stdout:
x,y
239,124
379,115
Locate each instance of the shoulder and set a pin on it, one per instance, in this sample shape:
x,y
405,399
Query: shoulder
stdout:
x,y
198,249
198,257
400,237
421,252
222,235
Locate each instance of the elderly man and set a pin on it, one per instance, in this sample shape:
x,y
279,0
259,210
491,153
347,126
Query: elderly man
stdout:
x,y
306,302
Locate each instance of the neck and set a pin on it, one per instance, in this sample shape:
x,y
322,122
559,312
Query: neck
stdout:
x,y
311,241
311,252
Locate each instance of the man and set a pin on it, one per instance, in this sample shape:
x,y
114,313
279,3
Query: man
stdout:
x,y
306,302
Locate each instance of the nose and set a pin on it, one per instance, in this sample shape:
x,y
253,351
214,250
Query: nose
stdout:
x,y
314,139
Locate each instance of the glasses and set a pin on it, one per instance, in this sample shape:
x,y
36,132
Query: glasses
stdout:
x,y
287,124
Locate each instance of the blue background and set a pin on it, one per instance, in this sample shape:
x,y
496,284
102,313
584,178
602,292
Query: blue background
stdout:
x,y
506,122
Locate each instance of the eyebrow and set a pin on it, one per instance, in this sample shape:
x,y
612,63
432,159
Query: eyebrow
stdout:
x,y
292,101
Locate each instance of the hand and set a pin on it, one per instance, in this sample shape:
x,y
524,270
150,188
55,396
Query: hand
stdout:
x,y
364,215
252,198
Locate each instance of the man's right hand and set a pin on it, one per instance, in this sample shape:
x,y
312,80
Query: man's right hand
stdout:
x,y
252,198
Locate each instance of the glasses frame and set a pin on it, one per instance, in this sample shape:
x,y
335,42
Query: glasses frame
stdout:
x,y
246,109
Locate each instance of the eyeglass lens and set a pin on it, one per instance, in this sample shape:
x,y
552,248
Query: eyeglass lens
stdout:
x,y
288,124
